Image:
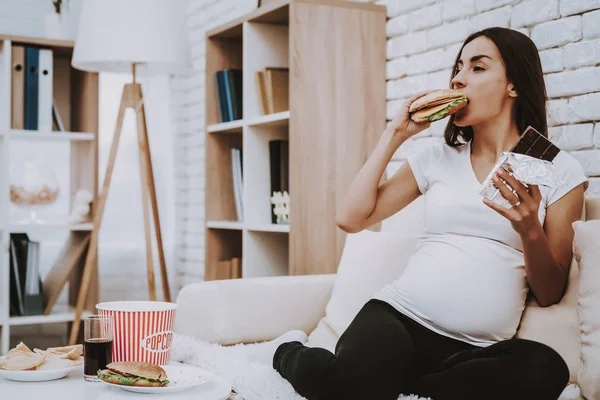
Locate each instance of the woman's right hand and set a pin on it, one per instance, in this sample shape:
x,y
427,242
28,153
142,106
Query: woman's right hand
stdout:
x,y
402,125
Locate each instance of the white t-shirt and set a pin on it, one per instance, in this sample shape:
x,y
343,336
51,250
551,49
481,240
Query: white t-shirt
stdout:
x,y
466,280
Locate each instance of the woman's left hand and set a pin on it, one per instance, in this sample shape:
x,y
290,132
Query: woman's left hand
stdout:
x,y
523,215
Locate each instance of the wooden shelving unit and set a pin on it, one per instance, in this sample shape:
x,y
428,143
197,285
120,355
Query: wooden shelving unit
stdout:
x,y
335,52
76,92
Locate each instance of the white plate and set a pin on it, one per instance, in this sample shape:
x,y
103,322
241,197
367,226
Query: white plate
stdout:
x,y
37,376
183,377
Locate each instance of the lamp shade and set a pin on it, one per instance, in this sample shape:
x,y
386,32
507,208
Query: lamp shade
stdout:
x,y
114,34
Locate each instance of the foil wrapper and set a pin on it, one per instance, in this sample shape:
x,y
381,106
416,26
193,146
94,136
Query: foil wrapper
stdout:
x,y
526,169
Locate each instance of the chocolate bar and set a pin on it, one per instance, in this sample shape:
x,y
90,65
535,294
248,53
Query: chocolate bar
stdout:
x,y
537,170
534,144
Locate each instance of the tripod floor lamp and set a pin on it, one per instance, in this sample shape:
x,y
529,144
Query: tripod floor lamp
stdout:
x,y
124,36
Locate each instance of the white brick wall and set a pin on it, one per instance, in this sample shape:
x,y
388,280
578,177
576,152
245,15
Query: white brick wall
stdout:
x,y
577,81
458,9
557,33
424,37
570,7
591,24
581,54
484,5
530,13
497,17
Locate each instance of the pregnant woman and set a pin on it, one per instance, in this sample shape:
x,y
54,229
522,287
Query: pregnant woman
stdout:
x,y
445,328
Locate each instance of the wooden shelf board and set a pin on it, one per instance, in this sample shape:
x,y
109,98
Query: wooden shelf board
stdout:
x,y
17,228
232,30
226,127
267,13
269,228
276,119
225,225
23,134
38,41
277,13
347,4
59,314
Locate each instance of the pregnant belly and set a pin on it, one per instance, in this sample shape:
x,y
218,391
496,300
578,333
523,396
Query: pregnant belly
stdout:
x,y
478,299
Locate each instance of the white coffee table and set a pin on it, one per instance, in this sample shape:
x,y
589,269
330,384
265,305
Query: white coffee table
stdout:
x,y
75,387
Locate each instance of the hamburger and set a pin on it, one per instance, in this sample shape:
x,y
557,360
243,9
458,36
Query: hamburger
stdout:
x,y
134,373
437,105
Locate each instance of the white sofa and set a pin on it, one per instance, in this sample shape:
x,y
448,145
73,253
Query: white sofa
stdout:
x,y
258,309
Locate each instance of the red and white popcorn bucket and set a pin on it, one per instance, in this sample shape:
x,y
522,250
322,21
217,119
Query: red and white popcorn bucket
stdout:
x,y
143,330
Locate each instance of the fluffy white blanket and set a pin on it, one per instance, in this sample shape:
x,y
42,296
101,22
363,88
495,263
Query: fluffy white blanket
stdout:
x,y
252,379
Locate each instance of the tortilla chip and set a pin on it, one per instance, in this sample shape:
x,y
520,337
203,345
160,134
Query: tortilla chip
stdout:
x,y
65,352
58,363
20,347
19,360
42,352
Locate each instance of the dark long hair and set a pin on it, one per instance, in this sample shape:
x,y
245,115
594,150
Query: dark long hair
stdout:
x,y
523,69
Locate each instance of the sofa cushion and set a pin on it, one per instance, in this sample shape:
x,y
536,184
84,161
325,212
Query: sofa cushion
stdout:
x,y
369,261
586,247
558,325
323,336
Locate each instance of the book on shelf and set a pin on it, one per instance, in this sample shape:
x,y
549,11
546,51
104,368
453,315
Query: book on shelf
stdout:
x,y
18,87
26,290
16,277
273,89
236,268
259,79
238,182
62,97
226,269
32,64
45,80
32,87
279,161
57,122
229,94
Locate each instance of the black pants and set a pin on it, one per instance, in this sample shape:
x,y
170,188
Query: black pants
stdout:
x,y
383,354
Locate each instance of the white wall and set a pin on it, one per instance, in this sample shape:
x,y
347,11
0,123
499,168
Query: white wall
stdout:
x,y
424,36
31,17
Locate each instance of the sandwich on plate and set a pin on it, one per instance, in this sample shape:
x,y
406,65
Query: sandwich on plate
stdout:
x,y
437,105
134,373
